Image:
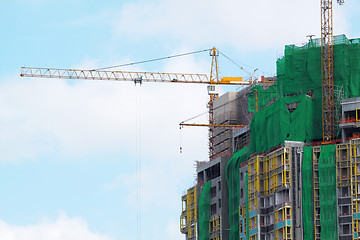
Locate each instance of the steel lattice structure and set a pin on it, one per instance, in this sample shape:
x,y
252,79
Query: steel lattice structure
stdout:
x,y
327,67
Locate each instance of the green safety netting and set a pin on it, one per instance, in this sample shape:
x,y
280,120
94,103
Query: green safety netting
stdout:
x,y
299,71
247,206
232,178
327,193
274,124
204,212
307,194
263,97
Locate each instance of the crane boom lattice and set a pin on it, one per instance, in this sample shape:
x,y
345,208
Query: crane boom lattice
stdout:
x,y
327,70
113,75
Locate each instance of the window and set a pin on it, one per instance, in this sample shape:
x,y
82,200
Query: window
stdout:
x,y
213,209
213,192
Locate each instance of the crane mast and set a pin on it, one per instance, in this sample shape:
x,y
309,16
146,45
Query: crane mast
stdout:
x,y
327,70
214,77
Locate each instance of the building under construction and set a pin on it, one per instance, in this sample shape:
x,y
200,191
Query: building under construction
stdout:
x,y
276,178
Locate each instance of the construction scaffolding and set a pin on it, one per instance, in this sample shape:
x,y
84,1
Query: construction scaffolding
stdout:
x,y
267,209
355,186
343,177
189,217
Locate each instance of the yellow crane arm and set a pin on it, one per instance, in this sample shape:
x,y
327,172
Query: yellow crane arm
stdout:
x,y
113,75
137,77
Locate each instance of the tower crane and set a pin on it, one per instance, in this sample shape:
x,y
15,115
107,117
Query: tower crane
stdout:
x,y
327,70
141,77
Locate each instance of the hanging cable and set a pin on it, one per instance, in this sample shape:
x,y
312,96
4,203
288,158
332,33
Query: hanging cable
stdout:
x,y
235,63
242,68
138,156
180,139
199,115
151,60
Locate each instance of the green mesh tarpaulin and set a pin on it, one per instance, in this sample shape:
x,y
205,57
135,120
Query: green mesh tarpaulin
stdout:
x,y
327,193
307,194
247,206
299,71
232,178
274,124
204,212
263,97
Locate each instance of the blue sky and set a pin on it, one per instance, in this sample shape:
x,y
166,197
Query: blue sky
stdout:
x,y
69,150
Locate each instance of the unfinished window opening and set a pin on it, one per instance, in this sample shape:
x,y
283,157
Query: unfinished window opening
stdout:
x,y
212,172
213,209
292,106
261,167
344,173
310,94
262,202
346,229
344,192
262,185
345,210
213,192
282,197
201,178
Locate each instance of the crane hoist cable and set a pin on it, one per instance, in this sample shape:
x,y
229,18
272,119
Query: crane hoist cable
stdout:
x,y
152,60
239,66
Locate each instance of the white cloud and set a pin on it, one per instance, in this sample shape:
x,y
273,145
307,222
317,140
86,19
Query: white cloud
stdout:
x,y
41,116
245,25
49,116
63,228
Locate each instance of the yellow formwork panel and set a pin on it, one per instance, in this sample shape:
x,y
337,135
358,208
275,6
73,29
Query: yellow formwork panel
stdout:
x,y
279,170
253,204
283,214
183,217
188,217
343,165
215,238
252,222
242,223
214,224
355,147
356,226
253,237
182,222
355,184
191,231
